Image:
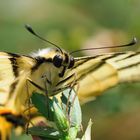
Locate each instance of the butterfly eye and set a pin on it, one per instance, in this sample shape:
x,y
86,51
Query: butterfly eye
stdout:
x,y
71,63
57,60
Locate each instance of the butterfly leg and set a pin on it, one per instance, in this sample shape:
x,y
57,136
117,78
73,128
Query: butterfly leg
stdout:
x,y
45,80
28,116
29,104
70,102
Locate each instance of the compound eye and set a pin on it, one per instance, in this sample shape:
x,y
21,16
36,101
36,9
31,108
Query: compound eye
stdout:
x,y
71,63
57,61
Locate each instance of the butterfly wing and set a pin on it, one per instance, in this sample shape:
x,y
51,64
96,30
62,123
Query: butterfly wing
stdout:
x,y
14,70
98,73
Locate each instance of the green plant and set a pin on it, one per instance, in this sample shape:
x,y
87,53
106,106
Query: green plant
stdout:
x,y
63,117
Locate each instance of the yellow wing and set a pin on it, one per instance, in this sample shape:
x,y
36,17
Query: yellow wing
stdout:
x,y
14,70
98,73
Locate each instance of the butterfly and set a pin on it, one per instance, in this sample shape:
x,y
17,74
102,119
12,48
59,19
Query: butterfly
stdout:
x,y
52,70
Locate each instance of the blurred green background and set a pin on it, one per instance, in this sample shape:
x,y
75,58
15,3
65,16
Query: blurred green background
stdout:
x,y
74,24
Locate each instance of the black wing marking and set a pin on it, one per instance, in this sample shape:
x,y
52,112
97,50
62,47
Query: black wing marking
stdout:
x,y
12,66
98,73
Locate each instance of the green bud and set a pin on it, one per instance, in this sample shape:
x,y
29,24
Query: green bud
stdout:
x,y
61,121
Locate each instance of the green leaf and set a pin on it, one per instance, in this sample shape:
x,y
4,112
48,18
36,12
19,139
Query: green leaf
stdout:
x,y
59,117
45,132
43,104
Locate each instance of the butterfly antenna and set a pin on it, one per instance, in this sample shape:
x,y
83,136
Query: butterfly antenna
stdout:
x,y
133,42
29,28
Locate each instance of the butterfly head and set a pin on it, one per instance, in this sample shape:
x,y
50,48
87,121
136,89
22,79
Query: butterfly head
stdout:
x,y
59,59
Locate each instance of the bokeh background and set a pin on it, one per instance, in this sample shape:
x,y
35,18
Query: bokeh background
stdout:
x,y
75,24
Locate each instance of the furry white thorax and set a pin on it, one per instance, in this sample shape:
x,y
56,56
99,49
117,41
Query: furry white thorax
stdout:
x,y
41,52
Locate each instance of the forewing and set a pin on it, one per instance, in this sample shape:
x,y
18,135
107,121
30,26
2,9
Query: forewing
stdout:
x,y
98,73
13,68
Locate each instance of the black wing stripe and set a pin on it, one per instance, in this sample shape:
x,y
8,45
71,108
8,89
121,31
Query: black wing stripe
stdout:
x,y
96,67
13,59
12,88
106,58
129,66
103,62
14,66
91,70
112,56
134,54
82,62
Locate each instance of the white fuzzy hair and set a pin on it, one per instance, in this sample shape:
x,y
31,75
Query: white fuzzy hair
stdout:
x,y
40,52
